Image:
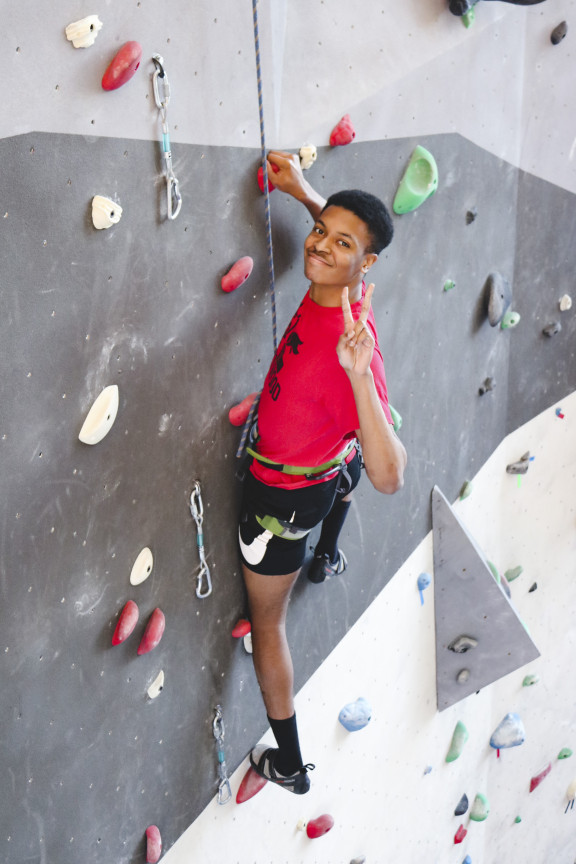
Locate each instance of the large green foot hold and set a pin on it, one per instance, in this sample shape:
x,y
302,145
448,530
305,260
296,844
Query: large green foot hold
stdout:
x,y
480,808
419,182
459,738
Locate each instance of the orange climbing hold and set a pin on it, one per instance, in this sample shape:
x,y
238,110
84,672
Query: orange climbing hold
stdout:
x,y
271,187
153,633
251,784
343,133
126,622
242,628
238,414
123,66
237,274
153,845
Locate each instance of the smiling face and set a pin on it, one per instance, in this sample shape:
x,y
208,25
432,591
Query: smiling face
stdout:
x,y
335,251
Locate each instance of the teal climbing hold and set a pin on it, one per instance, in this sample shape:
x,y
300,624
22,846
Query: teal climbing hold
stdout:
x,y
459,738
513,573
466,490
565,753
529,680
510,320
396,418
419,182
494,571
449,284
518,819
480,808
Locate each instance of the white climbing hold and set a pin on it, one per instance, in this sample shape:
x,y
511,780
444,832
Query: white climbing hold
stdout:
x,y
308,155
565,303
83,33
105,212
248,643
142,567
101,416
157,686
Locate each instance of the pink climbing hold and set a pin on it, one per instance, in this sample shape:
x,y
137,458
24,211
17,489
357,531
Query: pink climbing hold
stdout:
x,y
271,186
126,622
251,784
153,845
153,633
343,133
242,628
320,826
237,274
460,834
535,781
238,414
123,66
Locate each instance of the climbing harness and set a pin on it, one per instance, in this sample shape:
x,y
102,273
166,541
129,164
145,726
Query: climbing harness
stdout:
x,y
317,472
224,790
161,89
197,510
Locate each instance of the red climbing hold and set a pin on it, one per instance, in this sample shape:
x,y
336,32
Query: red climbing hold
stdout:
x,y
126,622
153,633
238,414
123,66
460,834
318,827
237,274
343,132
242,628
153,845
535,781
251,784
271,187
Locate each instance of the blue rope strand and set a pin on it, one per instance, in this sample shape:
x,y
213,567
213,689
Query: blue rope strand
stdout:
x,y
269,249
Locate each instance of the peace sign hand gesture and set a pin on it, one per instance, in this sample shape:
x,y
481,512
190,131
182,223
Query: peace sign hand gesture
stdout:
x,y
356,345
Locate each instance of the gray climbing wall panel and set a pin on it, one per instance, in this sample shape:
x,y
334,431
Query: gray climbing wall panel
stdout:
x,y
469,602
89,761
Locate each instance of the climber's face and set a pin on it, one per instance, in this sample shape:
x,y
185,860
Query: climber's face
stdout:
x,y
335,250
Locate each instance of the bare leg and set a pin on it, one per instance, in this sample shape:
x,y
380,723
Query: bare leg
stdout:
x,y
268,597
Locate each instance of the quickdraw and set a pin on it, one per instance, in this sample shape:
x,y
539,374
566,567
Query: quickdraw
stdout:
x,y
224,790
161,89
197,511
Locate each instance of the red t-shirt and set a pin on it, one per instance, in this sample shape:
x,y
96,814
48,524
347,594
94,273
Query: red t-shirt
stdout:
x,y
307,412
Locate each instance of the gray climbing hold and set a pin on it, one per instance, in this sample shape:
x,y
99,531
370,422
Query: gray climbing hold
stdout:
x,y
463,676
486,386
471,215
499,297
533,588
552,329
459,738
462,644
513,573
480,808
520,467
361,859
509,733
462,806
355,715
558,33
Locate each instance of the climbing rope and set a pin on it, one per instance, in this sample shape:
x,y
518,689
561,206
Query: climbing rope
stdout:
x,y
269,250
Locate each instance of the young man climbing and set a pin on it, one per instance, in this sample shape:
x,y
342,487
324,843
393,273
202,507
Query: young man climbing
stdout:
x,y
323,399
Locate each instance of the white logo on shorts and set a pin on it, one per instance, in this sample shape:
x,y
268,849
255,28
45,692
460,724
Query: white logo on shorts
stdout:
x,y
254,552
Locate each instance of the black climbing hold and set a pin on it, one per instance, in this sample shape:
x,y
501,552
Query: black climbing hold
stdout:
x,y
471,216
486,386
552,329
499,295
520,467
462,644
462,806
533,588
559,33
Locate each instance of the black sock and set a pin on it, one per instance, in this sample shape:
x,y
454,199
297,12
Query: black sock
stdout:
x,y
288,759
331,527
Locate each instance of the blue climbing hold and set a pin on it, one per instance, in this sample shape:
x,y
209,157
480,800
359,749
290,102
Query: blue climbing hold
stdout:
x,y
355,715
423,583
509,733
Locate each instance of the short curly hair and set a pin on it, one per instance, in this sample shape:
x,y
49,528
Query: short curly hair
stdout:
x,y
371,210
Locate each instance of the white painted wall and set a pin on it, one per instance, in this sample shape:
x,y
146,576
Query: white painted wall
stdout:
x,y
372,781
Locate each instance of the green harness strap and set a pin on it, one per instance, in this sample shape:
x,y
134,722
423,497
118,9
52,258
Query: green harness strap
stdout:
x,y
299,469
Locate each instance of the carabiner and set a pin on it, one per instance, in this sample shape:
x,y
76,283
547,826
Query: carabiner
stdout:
x,y
161,103
196,505
174,198
224,790
197,510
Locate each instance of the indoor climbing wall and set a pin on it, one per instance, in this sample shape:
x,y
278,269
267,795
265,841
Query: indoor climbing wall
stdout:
x,y
92,752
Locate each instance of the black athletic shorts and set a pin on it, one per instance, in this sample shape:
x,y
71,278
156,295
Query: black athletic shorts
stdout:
x,y
305,508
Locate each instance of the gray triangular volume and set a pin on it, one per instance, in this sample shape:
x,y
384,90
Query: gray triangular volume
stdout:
x,y
469,602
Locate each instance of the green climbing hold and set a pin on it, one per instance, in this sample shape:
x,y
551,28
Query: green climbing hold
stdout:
x,y
419,182
509,320
518,819
449,284
459,738
468,18
396,418
465,490
495,572
480,808
530,679
565,753
513,573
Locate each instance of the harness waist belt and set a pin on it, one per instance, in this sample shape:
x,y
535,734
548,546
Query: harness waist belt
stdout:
x,y
313,471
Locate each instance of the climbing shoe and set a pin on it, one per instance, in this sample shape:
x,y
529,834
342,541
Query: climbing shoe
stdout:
x,y
461,7
321,567
262,761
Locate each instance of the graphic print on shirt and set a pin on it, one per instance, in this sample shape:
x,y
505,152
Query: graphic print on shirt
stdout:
x,y
291,342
